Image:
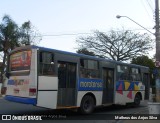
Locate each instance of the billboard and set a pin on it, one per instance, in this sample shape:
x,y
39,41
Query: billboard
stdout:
x,y
20,61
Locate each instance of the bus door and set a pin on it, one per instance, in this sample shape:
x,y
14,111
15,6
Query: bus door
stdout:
x,y
47,87
66,84
108,85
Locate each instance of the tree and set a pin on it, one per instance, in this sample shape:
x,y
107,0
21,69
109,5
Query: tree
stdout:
x,y
117,45
12,36
28,34
85,51
144,61
8,39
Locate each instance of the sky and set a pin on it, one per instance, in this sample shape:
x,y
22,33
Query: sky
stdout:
x,y
72,17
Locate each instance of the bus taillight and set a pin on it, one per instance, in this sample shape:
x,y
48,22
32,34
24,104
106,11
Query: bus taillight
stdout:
x,y
3,90
32,92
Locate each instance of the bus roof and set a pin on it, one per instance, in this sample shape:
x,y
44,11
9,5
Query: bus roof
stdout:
x,y
75,54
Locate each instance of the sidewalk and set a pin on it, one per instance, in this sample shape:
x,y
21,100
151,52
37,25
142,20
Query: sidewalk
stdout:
x,y
153,109
154,105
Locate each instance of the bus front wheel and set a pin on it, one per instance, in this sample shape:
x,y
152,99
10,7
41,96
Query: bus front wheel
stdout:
x,y
87,105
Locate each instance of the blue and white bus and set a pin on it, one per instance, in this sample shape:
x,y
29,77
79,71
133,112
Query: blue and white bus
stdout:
x,y
56,79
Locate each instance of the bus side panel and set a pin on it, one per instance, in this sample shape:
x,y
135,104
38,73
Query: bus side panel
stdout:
x,y
126,91
48,83
18,86
94,86
97,94
47,92
124,97
47,99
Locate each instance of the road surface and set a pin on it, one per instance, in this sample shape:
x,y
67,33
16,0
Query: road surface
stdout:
x,y
101,114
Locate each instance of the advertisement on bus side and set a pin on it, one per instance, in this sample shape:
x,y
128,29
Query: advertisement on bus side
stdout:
x,y
90,84
20,60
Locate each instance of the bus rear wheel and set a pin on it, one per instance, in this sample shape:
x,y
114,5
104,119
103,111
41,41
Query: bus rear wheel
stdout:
x,y
137,100
87,105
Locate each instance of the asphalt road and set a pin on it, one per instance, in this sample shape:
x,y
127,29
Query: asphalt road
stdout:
x,y
101,113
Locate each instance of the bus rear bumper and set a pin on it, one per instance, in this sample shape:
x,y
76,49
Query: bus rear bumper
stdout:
x,y
24,100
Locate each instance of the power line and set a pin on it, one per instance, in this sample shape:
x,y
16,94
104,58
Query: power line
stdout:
x,y
67,34
146,11
150,6
73,34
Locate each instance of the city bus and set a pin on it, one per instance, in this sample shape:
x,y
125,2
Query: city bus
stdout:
x,y
57,79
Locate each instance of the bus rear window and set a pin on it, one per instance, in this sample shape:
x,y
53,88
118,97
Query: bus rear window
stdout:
x,y
20,61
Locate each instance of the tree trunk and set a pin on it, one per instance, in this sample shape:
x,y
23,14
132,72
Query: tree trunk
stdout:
x,y
3,66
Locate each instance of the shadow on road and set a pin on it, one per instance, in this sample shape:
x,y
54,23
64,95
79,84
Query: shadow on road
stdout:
x,y
106,112
100,109
103,112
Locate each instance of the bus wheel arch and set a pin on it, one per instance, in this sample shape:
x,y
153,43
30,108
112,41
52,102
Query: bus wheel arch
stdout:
x,y
88,103
137,98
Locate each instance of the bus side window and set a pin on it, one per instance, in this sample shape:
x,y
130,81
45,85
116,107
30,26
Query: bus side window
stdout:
x,y
47,66
122,72
89,68
135,74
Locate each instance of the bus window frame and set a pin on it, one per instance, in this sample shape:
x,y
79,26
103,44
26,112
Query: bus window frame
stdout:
x,y
88,70
118,77
139,74
40,72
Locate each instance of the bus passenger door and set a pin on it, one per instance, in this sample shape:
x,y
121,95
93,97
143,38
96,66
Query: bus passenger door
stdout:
x,y
66,84
108,85
47,87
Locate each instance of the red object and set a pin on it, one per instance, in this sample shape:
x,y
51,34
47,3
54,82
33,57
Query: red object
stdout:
x,y
129,95
32,91
3,90
120,92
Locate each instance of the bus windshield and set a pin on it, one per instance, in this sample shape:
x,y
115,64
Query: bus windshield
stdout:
x,y
20,61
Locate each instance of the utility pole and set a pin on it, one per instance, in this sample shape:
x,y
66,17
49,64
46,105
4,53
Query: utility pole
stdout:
x,y
157,36
157,33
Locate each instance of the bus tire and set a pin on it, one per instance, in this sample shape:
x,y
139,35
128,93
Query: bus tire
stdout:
x,y
87,105
137,100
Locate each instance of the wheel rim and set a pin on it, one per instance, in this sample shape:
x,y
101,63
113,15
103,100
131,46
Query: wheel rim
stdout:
x,y
87,105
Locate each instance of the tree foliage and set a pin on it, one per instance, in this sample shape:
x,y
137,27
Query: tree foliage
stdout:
x,y
8,38
12,36
28,34
85,51
117,45
9,34
144,61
